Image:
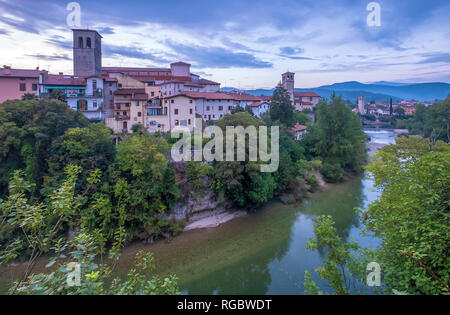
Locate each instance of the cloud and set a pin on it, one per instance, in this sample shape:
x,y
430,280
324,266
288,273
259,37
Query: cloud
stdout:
x,y
106,30
4,32
435,58
60,42
217,57
132,52
51,57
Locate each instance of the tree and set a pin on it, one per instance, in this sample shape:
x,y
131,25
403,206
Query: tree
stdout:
x,y
30,134
411,217
281,108
337,139
144,184
59,95
29,97
242,181
344,264
37,229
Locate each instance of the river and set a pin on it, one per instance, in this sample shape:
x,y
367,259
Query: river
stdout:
x,y
265,252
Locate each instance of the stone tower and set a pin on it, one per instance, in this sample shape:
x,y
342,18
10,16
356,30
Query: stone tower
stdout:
x,y
288,84
87,53
361,104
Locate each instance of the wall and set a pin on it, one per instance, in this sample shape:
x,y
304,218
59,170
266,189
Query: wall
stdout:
x,y
9,88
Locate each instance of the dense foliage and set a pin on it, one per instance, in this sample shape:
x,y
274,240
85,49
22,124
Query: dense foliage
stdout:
x,y
30,134
431,122
412,215
337,139
35,227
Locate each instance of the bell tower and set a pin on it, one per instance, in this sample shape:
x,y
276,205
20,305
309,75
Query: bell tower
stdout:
x,y
288,84
87,53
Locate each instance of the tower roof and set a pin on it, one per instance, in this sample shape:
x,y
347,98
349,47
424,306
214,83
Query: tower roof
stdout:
x,y
86,30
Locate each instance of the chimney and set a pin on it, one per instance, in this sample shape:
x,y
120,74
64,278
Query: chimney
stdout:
x,y
7,70
61,73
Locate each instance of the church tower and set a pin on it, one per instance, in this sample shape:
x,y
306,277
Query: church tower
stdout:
x,y
361,104
288,84
87,53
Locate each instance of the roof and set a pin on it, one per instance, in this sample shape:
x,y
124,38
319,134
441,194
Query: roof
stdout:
x,y
56,79
111,69
180,63
129,91
86,30
257,104
299,127
306,94
219,96
19,73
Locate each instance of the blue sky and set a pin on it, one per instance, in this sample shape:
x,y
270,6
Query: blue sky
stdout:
x,y
242,43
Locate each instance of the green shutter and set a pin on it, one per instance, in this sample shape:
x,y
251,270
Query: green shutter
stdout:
x,y
78,105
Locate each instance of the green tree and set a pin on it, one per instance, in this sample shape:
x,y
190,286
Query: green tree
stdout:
x,y
337,139
144,184
281,108
412,215
30,134
29,97
59,95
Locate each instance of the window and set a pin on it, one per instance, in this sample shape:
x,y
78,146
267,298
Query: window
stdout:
x,y
221,108
176,111
22,87
177,122
230,107
153,93
189,121
137,104
34,87
190,111
124,113
139,114
165,111
94,84
88,42
119,85
94,104
80,42
110,92
190,101
207,108
172,101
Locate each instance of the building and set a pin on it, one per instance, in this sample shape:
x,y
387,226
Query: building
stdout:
x,y
14,83
299,131
306,101
259,108
87,53
288,83
361,105
84,94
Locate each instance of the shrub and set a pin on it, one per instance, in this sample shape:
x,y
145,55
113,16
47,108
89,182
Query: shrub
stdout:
x,y
332,173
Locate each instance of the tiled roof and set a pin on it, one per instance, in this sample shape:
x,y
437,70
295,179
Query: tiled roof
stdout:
x,y
112,69
129,91
257,104
19,73
180,63
306,94
54,79
299,127
219,96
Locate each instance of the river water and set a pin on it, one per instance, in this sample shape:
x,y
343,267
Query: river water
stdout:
x,y
265,252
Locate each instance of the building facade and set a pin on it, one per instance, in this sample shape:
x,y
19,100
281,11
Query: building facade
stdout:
x,y
15,83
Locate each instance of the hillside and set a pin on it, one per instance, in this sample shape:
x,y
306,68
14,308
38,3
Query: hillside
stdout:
x,y
379,92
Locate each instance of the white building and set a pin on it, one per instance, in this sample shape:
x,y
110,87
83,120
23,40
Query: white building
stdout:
x,y
259,108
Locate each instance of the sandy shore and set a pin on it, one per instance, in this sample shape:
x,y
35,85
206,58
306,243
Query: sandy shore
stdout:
x,y
214,220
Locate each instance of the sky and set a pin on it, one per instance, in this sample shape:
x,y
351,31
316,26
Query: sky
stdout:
x,y
245,44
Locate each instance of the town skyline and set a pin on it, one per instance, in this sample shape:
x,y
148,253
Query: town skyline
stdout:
x,y
241,45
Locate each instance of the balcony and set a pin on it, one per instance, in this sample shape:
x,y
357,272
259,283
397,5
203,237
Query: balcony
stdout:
x,y
82,95
122,118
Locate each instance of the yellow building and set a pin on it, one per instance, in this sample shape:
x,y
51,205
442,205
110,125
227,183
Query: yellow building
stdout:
x,y
129,109
181,111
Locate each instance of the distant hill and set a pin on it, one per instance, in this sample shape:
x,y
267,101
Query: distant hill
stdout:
x,y
379,92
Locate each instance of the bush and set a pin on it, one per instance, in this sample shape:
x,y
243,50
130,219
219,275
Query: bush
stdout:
x,y
332,173
312,181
